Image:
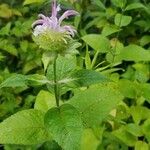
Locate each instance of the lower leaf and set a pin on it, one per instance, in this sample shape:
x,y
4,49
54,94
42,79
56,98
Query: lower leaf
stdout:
x,y
65,125
25,127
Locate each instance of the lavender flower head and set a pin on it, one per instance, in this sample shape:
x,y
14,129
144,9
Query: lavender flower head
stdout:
x,y
48,32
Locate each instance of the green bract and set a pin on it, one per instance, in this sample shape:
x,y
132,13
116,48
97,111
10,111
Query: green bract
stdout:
x,y
53,41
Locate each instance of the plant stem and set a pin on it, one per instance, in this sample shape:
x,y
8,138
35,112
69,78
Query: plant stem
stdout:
x,y
56,88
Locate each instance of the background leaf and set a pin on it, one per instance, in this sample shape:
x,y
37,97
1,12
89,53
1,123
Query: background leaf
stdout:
x,y
97,42
134,53
122,20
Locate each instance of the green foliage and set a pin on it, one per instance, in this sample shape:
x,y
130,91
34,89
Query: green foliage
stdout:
x,y
97,42
97,102
25,127
103,87
65,126
122,20
44,101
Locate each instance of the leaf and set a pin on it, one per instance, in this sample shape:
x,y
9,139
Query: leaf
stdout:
x,y
128,88
36,80
119,3
134,129
139,113
99,4
97,42
146,127
95,103
122,20
7,46
89,141
25,127
47,58
109,29
65,126
16,80
86,77
5,11
44,101
64,65
134,6
145,88
145,40
5,30
27,2
141,145
134,53
125,136
88,62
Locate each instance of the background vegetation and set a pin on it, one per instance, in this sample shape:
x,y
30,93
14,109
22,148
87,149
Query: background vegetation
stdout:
x,y
115,41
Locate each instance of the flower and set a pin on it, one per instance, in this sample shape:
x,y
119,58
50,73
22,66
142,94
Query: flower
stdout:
x,y
48,32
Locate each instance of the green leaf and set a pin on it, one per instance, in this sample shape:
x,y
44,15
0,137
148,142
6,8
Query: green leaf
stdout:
x,y
145,40
16,80
36,80
25,127
99,4
89,141
134,129
128,88
95,103
134,6
141,145
86,77
145,88
125,136
44,101
5,30
88,62
109,29
139,113
64,65
27,2
65,126
47,58
119,3
146,128
7,46
122,20
24,45
134,53
97,42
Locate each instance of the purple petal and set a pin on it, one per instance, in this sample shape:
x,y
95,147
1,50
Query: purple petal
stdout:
x,y
54,22
42,16
38,22
54,9
69,29
67,14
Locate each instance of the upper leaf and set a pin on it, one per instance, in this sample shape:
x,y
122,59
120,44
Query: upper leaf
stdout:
x,y
88,77
97,42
